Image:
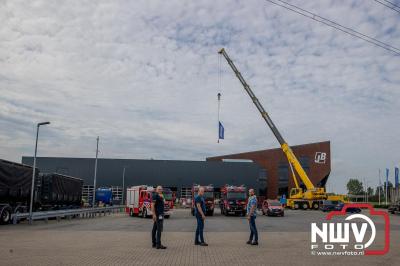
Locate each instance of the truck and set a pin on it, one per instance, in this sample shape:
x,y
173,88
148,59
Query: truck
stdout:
x,y
51,191
304,197
208,197
104,196
139,199
233,200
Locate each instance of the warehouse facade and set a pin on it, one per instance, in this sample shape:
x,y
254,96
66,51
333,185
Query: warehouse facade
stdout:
x,y
177,175
267,170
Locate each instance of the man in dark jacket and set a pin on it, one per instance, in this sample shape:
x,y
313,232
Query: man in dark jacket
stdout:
x,y
199,210
157,208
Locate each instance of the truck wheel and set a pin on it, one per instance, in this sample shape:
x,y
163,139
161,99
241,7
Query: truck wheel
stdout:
x,y
211,213
315,205
305,206
5,216
192,211
131,214
166,216
296,206
144,213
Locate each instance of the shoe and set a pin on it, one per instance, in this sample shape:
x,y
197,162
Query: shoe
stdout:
x,y
161,247
255,243
197,243
204,244
154,245
248,242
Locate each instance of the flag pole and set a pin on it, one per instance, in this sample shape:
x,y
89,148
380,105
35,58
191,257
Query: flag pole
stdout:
x,y
379,187
219,106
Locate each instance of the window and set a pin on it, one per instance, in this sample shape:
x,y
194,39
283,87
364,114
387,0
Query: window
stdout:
x,y
262,181
305,163
283,178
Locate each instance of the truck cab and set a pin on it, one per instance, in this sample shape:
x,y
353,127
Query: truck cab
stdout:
x,y
209,198
139,200
233,200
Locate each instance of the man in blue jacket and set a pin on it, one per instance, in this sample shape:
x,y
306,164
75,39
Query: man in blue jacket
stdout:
x,y
199,210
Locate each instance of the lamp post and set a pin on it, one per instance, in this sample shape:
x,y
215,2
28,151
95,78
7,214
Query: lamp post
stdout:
x,y
123,185
34,170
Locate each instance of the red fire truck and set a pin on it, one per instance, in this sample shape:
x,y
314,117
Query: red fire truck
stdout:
x,y
233,200
208,197
139,198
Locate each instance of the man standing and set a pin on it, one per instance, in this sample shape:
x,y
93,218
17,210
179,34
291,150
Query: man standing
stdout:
x,y
157,208
199,210
251,217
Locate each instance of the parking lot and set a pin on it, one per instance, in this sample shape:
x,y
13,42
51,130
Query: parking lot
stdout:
x,y
122,240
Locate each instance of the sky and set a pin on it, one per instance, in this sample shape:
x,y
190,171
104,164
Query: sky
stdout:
x,y
144,76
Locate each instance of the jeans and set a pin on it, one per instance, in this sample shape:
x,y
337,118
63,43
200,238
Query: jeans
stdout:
x,y
199,230
253,229
156,232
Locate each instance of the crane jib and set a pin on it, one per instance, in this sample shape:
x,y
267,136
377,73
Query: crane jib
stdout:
x,y
285,147
260,108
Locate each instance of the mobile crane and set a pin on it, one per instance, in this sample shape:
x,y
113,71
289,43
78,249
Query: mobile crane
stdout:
x,y
298,198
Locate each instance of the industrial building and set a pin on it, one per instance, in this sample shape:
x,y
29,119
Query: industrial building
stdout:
x,y
267,170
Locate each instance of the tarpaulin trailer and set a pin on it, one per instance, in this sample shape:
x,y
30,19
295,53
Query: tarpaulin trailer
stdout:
x,y
51,191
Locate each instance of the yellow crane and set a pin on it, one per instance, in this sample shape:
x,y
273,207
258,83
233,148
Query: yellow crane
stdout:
x,y
311,197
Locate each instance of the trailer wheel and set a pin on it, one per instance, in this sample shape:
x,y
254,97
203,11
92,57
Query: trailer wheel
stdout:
x,y
296,206
5,216
305,206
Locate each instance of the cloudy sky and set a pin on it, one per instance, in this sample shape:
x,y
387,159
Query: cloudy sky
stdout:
x,y
143,75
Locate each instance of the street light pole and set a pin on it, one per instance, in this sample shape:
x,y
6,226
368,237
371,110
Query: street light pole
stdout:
x,y
34,170
123,185
95,173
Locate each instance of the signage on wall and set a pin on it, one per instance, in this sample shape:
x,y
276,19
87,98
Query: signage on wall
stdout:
x,y
320,157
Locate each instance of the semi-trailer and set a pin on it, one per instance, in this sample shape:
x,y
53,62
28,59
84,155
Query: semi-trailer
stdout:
x,y
51,191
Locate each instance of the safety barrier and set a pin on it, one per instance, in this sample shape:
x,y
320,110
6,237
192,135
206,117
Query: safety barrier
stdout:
x,y
68,214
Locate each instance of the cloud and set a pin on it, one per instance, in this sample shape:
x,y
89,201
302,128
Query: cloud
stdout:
x,y
143,76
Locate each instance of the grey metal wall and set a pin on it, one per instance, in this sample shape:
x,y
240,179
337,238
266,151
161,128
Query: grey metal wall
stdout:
x,y
152,172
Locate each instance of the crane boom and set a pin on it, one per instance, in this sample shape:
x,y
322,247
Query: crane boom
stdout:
x,y
285,147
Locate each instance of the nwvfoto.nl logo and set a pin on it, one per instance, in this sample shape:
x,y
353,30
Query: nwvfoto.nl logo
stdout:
x,y
351,235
